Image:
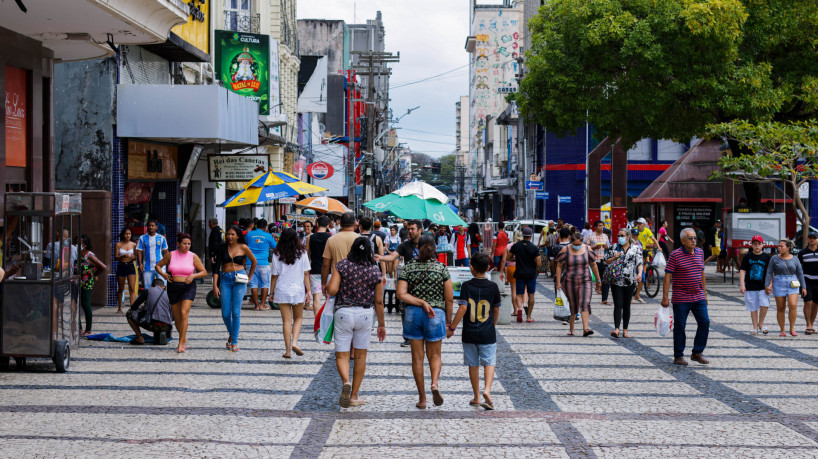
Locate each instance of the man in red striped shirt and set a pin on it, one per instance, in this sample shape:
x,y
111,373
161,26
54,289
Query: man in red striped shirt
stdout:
x,y
685,269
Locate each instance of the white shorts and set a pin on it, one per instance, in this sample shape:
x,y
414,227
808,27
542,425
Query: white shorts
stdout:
x,y
353,328
315,283
756,299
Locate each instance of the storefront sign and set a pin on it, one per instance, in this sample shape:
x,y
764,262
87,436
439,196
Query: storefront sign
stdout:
x,y
243,65
138,192
320,170
236,168
148,161
16,117
685,216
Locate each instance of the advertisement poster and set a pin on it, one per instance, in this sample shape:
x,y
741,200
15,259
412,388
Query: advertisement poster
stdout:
x,y
16,117
704,216
243,65
235,168
459,275
275,84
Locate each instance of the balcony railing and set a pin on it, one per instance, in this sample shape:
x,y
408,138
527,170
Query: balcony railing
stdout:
x,y
241,21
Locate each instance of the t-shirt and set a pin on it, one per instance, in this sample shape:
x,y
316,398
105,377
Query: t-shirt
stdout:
x,y
755,267
376,243
809,263
500,243
290,286
526,255
645,237
460,243
686,268
408,249
426,284
338,246
357,284
151,247
317,243
482,299
260,243
662,234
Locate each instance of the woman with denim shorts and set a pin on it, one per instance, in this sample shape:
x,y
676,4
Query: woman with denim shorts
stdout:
x,y
785,280
357,286
426,287
230,259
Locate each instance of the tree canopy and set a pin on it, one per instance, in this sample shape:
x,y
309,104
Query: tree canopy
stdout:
x,y
668,68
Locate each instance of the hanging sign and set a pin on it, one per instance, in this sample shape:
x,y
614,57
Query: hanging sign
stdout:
x,y
243,65
235,168
320,170
16,116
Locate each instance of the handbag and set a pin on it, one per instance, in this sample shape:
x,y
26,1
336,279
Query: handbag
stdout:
x,y
615,270
242,278
794,283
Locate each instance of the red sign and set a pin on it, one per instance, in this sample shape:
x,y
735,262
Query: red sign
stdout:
x,y
320,170
16,117
137,193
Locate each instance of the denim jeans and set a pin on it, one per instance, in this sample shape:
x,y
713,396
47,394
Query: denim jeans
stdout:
x,y
232,297
680,313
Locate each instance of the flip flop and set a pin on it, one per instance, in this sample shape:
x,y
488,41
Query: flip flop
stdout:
x,y
615,334
487,405
298,351
587,333
357,402
346,391
570,333
626,334
473,403
287,356
436,397
420,406
529,320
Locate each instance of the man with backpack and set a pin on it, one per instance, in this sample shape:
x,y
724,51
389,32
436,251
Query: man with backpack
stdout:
x,y
461,241
365,226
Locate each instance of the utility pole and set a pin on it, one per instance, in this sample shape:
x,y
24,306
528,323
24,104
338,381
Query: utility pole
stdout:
x,y
521,153
351,142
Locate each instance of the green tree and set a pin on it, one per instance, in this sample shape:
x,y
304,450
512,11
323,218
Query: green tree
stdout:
x,y
668,68
786,153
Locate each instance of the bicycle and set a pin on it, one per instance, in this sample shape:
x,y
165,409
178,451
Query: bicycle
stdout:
x,y
652,279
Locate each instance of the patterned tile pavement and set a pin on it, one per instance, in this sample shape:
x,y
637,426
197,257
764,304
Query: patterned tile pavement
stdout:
x,y
556,396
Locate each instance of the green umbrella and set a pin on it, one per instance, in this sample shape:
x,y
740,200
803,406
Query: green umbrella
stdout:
x,y
415,208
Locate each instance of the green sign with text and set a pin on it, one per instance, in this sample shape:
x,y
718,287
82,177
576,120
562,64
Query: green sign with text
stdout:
x,y
243,65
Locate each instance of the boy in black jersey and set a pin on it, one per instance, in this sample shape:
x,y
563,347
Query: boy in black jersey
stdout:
x,y
479,309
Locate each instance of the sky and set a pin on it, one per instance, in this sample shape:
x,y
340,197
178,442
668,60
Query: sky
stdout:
x,y
431,38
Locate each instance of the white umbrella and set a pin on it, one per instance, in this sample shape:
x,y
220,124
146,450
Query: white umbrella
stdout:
x,y
422,190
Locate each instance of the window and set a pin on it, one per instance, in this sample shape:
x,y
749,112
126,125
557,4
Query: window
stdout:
x,y
641,151
239,17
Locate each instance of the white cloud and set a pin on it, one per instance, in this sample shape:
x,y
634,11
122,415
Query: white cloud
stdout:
x,y
430,36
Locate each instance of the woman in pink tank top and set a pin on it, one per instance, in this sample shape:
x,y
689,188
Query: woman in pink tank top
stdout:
x,y
183,267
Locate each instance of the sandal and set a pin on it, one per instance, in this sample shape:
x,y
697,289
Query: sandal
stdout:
x,y
782,334
529,320
615,334
487,405
587,333
473,403
287,356
357,402
436,397
626,334
570,334
794,333
298,351
420,405
181,350
229,340
234,348
346,391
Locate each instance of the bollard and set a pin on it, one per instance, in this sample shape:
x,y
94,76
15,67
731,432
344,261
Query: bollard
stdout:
x,y
505,306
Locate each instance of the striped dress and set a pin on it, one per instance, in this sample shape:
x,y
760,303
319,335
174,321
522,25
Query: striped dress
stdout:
x,y
576,278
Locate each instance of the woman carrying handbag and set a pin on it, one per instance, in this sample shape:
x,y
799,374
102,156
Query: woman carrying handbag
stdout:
x,y
624,268
785,279
230,281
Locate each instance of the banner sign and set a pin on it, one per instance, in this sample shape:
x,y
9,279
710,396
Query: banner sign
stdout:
x,y
531,185
564,199
235,168
243,65
16,117
459,275
541,194
320,170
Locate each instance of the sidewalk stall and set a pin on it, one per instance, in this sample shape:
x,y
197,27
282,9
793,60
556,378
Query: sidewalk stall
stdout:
x,y
39,304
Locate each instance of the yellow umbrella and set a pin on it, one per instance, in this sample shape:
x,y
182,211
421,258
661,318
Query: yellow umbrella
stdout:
x,y
270,186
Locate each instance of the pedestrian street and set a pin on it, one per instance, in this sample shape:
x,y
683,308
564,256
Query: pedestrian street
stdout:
x,y
554,395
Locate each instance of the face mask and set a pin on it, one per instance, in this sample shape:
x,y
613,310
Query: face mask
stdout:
x,y
576,247
622,240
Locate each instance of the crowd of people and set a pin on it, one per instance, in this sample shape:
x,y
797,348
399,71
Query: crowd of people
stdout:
x,y
298,267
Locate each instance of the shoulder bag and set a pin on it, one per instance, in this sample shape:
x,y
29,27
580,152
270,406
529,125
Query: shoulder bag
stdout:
x,y
793,283
241,278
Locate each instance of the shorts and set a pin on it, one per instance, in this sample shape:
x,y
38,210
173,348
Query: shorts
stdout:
x,y
315,283
510,273
462,262
715,251
526,284
496,260
781,286
179,291
756,299
812,292
479,355
353,328
261,277
125,269
148,277
418,325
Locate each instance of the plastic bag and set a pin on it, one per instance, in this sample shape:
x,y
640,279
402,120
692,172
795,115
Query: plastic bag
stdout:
x,y
325,322
562,311
663,320
659,260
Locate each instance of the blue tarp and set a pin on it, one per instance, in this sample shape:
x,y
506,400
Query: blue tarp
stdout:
x,y
125,339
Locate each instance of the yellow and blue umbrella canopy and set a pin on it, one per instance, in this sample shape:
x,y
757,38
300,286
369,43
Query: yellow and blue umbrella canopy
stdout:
x,y
270,186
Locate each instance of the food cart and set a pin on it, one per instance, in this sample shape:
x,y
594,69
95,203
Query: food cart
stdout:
x,y
38,307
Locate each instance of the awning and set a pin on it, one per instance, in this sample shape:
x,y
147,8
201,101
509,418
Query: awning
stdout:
x,y
203,114
688,179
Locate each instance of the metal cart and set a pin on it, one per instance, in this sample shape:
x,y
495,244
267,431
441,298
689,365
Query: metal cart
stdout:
x,y
38,305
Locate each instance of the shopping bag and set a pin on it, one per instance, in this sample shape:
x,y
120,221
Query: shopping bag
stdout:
x,y
659,260
325,322
562,311
663,320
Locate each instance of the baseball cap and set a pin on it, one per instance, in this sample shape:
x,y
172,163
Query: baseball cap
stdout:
x,y
812,234
642,221
634,230
527,231
760,239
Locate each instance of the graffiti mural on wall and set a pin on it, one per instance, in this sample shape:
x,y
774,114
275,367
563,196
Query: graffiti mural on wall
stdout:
x,y
498,34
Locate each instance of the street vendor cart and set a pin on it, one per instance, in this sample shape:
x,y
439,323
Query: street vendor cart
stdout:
x,y
38,304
